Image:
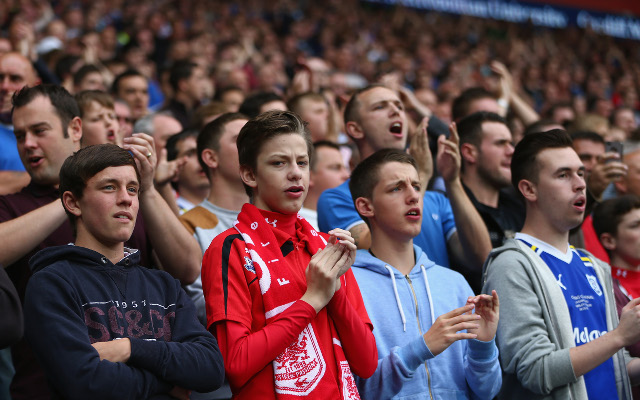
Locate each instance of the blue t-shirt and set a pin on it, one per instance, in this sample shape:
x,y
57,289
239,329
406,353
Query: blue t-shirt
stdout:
x,y
9,157
336,210
585,298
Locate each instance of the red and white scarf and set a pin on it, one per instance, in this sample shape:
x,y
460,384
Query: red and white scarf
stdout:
x,y
301,367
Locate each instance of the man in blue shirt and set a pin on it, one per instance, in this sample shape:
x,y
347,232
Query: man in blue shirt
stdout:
x,y
375,119
560,337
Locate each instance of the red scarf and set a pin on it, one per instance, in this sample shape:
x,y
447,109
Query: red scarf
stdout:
x,y
301,366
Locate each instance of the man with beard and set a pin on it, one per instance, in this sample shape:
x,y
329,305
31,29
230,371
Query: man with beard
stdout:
x,y
486,149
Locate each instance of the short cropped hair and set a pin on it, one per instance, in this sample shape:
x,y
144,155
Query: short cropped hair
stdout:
x,y
172,142
180,70
365,176
252,104
86,97
470,127
462,103
608,214
295,103
318,144
587,135
352,109
115,87
62,101
524,163
84,164
264,127
209,137
83,72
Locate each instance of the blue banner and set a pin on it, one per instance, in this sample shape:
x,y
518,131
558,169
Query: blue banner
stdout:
x,y
551,16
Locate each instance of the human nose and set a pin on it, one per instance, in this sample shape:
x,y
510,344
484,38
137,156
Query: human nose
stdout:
x,y
295,172
579,183
510,149
124,196
4,83
30,141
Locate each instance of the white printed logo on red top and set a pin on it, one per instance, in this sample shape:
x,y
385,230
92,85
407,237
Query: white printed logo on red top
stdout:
x,y
300,366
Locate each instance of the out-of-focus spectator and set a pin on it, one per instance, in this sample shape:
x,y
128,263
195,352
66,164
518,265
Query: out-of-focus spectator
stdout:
x,y
16,72
191,182
88,77
232,97
123,113
99,120
313,109
624,119
256,104
189,86
132,87
327,170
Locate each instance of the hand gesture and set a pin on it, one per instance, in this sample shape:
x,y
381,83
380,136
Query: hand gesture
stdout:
x,y
167,171
446,330
488,308
448,159
419,149
340,237
143,150
628,329
608,169
324,270
506,81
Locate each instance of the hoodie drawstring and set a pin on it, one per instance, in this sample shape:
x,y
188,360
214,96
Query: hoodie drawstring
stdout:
x,y
426,284
398,303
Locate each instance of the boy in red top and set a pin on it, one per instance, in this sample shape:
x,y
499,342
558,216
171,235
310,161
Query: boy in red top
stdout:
x,y
280,297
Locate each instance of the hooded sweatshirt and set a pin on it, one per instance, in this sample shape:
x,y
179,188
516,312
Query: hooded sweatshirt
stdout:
x,y
402,308
81,298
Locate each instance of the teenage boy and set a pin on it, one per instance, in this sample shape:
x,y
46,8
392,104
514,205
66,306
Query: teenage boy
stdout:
x,y
559,337
617,223
101,325
426,356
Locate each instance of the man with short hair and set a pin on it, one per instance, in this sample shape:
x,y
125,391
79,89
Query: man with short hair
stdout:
x,y
16,72
486,150
429,355
100,323
326,171
188,81
218,157
133,87
624,118
313,108
375,119
161,126
48,129
257,103
616,222
88,77
191,182
559,335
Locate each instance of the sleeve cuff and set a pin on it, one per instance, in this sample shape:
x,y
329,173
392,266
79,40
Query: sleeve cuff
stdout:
x,y
482,351
415,353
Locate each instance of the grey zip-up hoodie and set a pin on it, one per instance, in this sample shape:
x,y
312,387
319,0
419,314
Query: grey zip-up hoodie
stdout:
x,y
535,331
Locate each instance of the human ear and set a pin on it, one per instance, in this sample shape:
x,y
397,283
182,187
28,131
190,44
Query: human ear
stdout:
x,y
528,190
210,158
364,207
248,177
70,203
74,129
469,153
608,241
354,130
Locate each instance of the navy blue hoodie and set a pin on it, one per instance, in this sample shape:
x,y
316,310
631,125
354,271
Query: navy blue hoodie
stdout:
x,y
77,297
